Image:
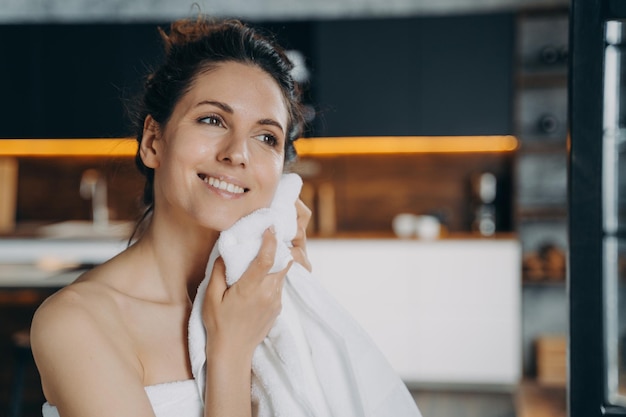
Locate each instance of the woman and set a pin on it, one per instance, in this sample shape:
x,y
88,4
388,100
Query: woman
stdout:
x,y
217,125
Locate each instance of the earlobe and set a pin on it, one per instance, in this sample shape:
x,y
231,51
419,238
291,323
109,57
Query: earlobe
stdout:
x,y
148,149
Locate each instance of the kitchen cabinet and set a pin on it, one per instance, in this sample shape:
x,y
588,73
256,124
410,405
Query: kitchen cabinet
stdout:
x,y
443,312
435,75
427,75
72,80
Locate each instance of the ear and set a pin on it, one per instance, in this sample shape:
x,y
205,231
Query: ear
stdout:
x,y
150,143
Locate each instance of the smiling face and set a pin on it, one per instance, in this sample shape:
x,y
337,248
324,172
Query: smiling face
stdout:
x,y
220,155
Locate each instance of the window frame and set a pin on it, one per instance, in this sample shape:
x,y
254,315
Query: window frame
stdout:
x,y
587,389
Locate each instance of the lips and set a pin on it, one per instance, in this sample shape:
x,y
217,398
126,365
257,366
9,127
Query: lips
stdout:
x,y
222,185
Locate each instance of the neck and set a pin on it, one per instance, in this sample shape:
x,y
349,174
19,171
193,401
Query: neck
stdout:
x,y
179,255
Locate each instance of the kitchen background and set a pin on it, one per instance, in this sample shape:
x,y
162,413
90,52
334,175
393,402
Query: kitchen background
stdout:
x,y
445,68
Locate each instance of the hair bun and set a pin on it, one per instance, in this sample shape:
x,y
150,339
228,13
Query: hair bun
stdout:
x,y
185,31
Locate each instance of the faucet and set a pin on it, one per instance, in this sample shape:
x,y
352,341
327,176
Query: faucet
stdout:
x,y
93,186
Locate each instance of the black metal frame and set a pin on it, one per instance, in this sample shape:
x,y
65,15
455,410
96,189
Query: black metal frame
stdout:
x,y
587,370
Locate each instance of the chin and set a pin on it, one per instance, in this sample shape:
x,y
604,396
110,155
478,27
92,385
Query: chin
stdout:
x,y
223,218
222,223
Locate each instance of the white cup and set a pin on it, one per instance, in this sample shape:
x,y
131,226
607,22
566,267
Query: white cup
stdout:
x,y
427,227
403,225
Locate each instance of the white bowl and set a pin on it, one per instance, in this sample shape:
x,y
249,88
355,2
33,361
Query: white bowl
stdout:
x,y
403,225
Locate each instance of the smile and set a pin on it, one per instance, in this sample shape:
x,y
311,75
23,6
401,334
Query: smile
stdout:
x,y
222,185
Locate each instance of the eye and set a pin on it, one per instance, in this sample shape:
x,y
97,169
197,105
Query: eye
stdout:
x,y
268,138
213,120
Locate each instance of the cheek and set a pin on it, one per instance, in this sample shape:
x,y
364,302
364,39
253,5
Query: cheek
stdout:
x,y
270,175
279,164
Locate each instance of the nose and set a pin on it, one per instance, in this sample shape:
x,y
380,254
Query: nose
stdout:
x,y
234,150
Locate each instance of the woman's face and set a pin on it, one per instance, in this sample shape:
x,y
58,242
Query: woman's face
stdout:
x,y
221,154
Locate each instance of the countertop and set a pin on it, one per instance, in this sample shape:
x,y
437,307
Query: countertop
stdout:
x,y
31,276
45,262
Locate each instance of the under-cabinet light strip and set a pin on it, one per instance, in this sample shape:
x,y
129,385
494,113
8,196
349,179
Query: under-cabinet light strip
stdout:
x,y
404,145
68,147
327,146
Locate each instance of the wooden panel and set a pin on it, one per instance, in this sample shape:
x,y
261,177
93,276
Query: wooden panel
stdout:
x,y
48,188
368,190
535,401
8,193
371,190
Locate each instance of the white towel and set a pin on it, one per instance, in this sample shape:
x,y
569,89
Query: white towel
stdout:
x,y
316,361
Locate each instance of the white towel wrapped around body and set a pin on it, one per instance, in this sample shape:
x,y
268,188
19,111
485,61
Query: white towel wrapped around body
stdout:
x,y
316,361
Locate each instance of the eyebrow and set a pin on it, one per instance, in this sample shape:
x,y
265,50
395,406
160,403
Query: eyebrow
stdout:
x,y
219,104
271,122
225,107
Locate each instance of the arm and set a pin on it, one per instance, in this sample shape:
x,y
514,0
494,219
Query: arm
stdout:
x,y
237,319
85,370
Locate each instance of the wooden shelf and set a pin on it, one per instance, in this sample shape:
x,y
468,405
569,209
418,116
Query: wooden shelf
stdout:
x,y
543,281
535,400
540,145
541,213
542,78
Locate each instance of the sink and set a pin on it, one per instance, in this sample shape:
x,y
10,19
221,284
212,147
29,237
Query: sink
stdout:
x,y
61,251
82,229
58,246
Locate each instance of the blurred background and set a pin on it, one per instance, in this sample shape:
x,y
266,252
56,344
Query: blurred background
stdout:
x,y
436,142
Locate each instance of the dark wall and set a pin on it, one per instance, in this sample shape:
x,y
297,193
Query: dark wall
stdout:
x,y
419,76
72,80
411,76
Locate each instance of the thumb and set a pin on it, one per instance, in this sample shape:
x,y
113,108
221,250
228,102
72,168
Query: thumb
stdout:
x,y
217,283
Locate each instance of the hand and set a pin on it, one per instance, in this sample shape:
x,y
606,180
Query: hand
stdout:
x,y
238,318
298,251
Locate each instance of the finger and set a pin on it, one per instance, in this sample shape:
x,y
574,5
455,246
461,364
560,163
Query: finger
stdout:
x,y
283,272
279,278
264,260
304,216
303,213
300,237
299,255
298,251
217,283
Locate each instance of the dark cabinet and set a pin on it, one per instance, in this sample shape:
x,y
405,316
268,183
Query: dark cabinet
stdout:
x,y
402,76
447,75
72,80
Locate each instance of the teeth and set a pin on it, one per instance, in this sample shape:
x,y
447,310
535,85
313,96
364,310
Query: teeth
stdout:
x,y
223,185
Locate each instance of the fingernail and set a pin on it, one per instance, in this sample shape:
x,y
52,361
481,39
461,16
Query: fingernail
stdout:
x,y
272,229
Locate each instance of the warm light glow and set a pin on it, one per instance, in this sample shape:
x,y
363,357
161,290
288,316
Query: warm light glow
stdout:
x,y
330,146
404,145
68,147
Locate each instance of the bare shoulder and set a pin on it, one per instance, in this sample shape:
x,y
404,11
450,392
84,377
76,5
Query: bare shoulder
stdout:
x,y
73,307
72,314
87,305
79,328
88,308
77,304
